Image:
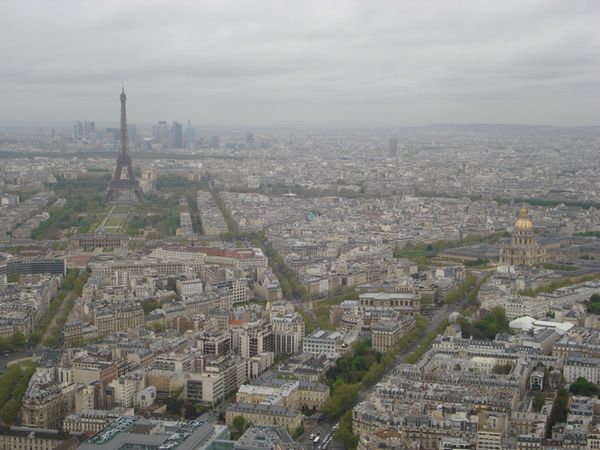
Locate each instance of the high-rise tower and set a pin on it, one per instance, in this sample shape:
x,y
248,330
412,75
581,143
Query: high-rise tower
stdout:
x,y
128,183
393,147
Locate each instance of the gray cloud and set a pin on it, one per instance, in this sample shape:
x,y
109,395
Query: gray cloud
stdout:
x,y
356,62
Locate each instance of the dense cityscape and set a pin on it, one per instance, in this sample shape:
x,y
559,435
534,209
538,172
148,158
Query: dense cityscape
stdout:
x,y
170,284
267,285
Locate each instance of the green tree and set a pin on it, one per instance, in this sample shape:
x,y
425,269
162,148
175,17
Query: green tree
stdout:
x,y
539,400
5,345
174,403
10,411
239,425
560,409
343,398
171,284
593,305
150,305
189,410
492,323
299,431
503,369
12,278
13,384
344,433
584,387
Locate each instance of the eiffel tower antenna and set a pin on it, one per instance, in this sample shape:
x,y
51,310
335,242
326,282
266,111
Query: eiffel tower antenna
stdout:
x,y
119,183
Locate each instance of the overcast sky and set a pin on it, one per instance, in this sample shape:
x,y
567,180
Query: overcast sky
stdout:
x,y
303,63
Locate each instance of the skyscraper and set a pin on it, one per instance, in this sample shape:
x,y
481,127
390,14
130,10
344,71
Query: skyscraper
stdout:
x,y
111,136
119,183
77,131
132,134
89,127
177,135
393,147
190,133
249,139
160,132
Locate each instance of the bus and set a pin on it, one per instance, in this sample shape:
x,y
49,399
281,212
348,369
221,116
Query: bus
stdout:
x,y
316,441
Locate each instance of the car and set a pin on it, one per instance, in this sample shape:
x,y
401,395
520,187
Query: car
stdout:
x,y
312,436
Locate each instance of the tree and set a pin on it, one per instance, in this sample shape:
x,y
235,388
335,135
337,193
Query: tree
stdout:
x,y
190,411
10,411
343,398
374,374
239,425
502,369
298,432
13,384
150,305
539,400
593,305
344,433
171,284
583,387
560,409
51,341
12,278
174,403
486,328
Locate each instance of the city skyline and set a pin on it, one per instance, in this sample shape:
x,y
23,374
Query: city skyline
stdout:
x,y
319,64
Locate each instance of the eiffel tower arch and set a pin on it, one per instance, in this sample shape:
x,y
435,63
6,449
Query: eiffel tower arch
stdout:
x,y
124,179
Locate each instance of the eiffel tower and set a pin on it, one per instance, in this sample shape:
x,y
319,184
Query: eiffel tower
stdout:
x,y
129,183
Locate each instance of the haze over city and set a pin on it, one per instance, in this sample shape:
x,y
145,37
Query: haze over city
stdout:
x,y
314,63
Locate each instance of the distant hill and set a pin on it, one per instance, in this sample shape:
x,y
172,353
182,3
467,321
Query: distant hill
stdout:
x,y
501,127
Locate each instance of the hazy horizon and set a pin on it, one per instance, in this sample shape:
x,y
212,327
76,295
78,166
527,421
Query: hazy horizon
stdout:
x,y
314,64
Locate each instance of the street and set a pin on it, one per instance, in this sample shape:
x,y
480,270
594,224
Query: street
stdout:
x,y
325,427
7,358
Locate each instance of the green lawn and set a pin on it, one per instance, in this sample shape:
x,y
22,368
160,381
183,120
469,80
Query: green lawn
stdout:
x,y
114,222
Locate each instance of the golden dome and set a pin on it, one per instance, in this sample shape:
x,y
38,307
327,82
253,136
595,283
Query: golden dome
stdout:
x,y
523,223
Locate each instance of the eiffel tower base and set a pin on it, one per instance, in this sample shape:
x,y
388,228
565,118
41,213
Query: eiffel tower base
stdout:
x,y
116,187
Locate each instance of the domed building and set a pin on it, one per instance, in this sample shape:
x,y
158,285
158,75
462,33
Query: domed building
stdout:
x,y
523,250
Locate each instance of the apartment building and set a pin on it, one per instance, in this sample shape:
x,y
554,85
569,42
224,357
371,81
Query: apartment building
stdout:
x,y
255,337
118,317
258,414
324,342
385,334
288,333
587,368
23,438
405,302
